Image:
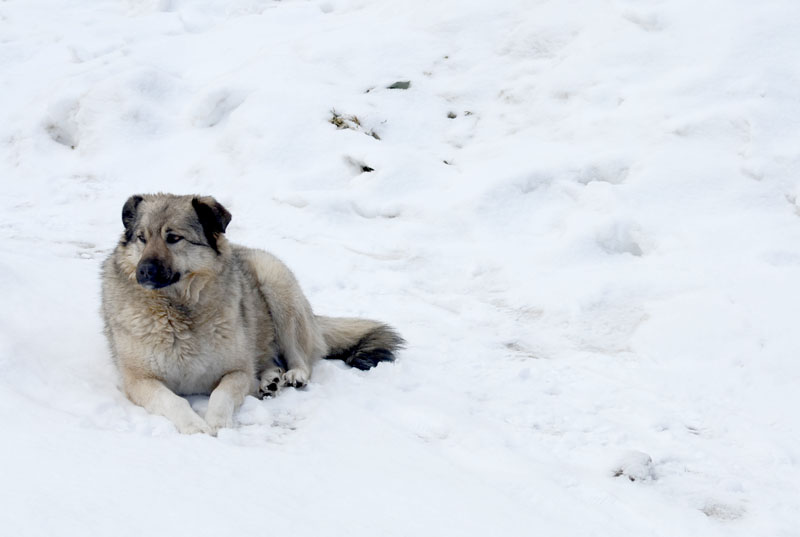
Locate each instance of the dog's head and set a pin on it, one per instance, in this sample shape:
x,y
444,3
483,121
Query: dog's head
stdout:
x,y
170,239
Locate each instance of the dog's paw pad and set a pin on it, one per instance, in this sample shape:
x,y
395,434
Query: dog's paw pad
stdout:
x,y
270,389
271,382
296,378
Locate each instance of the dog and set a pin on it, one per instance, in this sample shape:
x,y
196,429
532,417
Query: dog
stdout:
x,y
186,312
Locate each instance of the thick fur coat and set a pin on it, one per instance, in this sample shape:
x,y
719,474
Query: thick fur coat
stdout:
x,y
187,312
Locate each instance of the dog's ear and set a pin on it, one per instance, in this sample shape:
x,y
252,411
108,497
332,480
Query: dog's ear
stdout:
x,y
213,217
129,216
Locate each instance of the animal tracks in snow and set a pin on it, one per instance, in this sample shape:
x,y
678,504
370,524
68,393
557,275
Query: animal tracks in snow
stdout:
x,y
61,123
217,106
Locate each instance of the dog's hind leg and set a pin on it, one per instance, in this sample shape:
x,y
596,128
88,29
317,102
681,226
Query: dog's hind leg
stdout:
x,y
156,398
299,338
226,398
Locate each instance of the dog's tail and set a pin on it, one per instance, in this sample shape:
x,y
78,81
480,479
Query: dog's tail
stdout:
x,y
360,343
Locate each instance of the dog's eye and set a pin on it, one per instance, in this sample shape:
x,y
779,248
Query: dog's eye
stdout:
x,y
141,238
172,238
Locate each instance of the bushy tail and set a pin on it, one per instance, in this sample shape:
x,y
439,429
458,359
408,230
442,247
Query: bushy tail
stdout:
x,y
361,343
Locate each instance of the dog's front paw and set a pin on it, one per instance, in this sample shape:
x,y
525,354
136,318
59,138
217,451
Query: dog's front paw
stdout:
x,y
219,421
220,412
195,426
296,377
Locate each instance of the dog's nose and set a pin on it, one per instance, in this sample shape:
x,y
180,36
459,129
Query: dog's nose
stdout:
x,y
152,273
148,270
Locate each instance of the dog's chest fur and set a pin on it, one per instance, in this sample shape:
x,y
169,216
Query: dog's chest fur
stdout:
x,y
193,333
190,351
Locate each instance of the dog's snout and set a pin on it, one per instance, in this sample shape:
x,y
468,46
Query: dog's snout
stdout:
x,y
153,274
149,269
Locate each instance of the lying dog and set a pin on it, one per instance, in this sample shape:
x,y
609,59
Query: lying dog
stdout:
x,y
187,312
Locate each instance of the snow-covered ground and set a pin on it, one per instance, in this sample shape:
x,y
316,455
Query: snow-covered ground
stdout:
x,y
582,215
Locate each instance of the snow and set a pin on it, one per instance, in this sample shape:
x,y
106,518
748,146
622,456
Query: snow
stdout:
x,y
594,261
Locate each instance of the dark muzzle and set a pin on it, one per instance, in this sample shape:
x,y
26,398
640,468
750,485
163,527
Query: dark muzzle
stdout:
x,y
152,273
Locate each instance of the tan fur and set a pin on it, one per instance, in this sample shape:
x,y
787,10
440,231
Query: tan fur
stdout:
x,y
221,328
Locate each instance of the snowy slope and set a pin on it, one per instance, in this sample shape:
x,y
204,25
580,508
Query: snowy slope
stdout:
x,y
583,216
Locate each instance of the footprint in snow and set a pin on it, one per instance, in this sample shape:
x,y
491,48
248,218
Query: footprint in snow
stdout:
x,y
614,173
61,123
217,106
722,511
649,22
621,238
